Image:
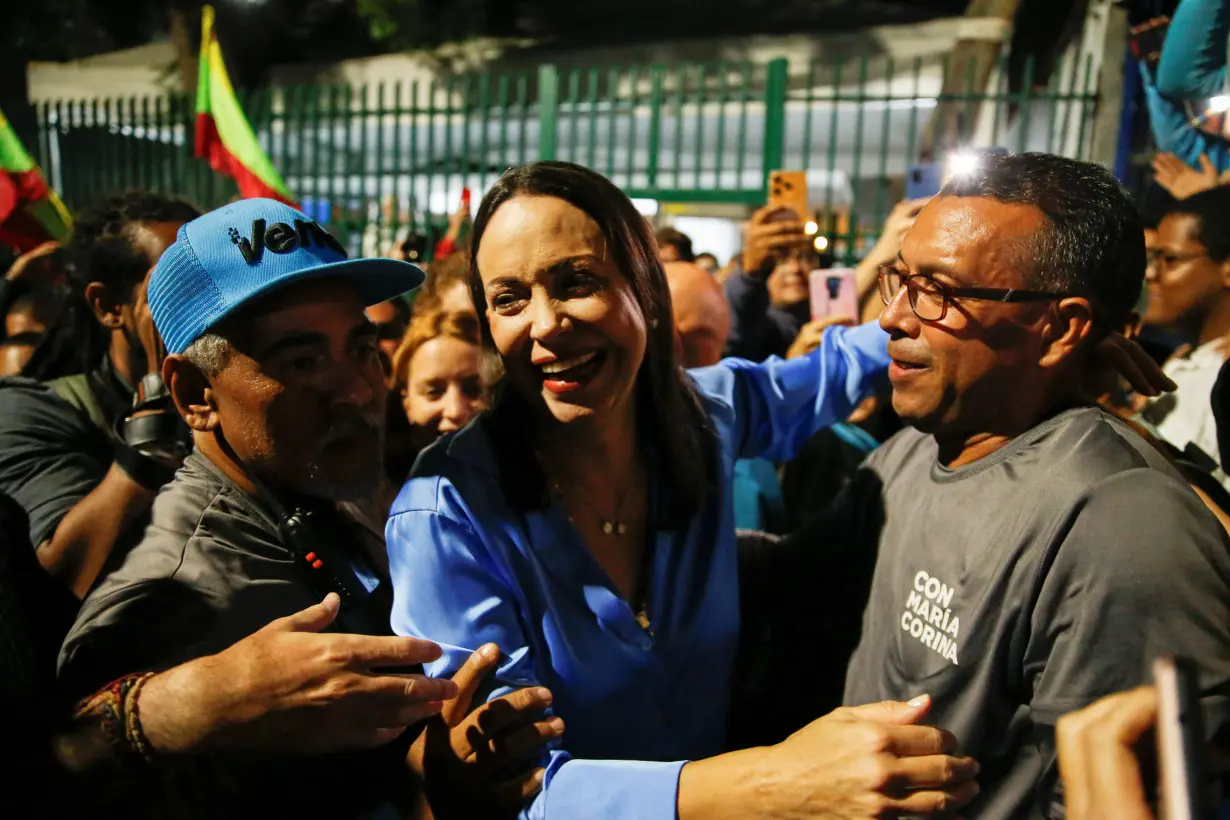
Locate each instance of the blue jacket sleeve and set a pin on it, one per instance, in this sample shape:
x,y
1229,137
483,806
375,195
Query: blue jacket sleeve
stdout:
x,y
1173,131
1193,63
449,588
757,329
779,404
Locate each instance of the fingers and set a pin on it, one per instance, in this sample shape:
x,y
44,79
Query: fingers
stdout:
x,y
889,711
371,652
1096,761
1135,365
468,677
1207,166
767,213
516,746
313,619
511,710
933,801
906,741
935,771
417,688
792,230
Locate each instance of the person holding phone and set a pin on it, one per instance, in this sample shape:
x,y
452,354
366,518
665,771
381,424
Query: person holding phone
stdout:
x,y
1100,758
768,287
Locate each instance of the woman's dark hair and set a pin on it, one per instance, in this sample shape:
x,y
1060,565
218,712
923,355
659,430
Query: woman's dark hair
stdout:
x,y
103,248
677,435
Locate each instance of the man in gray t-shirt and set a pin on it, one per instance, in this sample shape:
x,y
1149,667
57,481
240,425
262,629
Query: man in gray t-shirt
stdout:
x,y
1032,553
1032,582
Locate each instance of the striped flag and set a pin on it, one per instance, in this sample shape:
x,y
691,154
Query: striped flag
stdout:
x,y
223,135
30,212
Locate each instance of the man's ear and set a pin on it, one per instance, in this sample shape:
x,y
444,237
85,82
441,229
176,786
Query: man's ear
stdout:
x,y
192,393
107,309
1068,327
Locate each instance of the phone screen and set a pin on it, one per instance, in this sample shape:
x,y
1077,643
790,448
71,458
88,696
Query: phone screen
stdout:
x,y
1180,740
833,293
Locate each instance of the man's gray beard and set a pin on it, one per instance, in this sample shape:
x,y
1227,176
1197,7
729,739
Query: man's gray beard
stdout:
x,y
320,485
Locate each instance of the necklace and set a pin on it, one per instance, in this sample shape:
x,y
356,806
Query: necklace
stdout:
x,y
614,526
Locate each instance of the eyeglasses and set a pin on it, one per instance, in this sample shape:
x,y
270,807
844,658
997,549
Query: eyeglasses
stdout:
x,y
929,299
1163,259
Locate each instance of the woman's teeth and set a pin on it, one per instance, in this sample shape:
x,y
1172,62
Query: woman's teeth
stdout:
x,y
560,365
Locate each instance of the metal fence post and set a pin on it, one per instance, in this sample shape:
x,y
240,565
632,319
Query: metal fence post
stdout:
x,y
548,110
777,79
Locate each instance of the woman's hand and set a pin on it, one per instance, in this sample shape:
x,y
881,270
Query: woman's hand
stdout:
x,y
812,333
473,766
1097,761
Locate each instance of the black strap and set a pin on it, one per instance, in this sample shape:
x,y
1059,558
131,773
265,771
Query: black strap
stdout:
x,y
149,473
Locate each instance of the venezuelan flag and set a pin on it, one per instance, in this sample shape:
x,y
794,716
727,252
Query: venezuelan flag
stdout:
x,y
30,212
223,135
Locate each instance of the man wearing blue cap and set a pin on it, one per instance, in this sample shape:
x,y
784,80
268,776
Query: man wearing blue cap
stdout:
x,y
275,368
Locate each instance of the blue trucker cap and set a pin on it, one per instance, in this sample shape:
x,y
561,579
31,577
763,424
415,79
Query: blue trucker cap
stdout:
x,y
230,256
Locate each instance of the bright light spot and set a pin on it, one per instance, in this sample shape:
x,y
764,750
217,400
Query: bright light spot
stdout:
x,y
821,243
1219,104
962,163
646,207
810,228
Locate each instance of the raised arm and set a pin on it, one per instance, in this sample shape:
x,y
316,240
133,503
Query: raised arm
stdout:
x,y
1193,64
1173,130
779,404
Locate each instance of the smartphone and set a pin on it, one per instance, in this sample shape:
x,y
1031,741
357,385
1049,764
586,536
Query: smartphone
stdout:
x,y
788,189
922,181
1180,741
833,293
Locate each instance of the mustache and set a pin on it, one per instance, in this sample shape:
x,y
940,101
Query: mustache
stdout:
x,y
353,425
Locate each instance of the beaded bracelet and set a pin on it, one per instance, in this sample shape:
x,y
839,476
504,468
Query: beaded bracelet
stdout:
x,y
116,709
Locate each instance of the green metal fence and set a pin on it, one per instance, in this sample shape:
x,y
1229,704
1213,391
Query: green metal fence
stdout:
x,y
378,161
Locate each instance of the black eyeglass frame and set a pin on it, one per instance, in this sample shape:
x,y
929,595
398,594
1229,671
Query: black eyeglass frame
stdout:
x,y
949,292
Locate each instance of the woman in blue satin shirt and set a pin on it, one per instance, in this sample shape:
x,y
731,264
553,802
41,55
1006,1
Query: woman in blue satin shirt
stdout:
x,y
585,523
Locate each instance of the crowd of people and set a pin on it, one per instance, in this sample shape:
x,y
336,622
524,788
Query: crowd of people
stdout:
x,y
573,521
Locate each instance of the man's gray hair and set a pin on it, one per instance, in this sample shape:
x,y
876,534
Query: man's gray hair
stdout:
x,y
208,354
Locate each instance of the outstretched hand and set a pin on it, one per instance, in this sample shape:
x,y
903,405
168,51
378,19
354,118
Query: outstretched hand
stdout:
x,y
290,690
477,764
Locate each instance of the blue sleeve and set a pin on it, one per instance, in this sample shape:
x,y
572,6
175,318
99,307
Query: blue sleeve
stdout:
x,y
779,404
757,329
1193,63
1173,131
448,588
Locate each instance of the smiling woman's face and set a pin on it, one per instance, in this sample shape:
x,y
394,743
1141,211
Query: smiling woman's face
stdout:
x,y
563,316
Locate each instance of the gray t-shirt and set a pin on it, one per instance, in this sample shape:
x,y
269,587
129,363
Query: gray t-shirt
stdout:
x,y
1031,583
